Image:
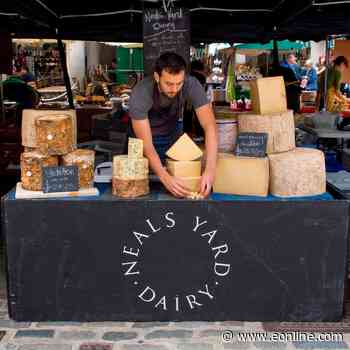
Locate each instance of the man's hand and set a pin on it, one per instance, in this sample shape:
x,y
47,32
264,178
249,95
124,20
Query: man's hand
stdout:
x,y
175,186
207,181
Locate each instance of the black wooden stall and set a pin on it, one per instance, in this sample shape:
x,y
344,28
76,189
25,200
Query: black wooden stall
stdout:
x,y
158,258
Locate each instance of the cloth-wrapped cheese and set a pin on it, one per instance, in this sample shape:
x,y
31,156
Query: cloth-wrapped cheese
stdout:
x,y
84,159
55,134
31,169
29,116
300,172
279,127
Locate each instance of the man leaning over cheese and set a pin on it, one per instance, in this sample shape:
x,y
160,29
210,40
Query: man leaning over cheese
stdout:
x,y
156,105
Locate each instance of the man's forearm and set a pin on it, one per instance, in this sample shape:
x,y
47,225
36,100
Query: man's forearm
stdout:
x,y
211,147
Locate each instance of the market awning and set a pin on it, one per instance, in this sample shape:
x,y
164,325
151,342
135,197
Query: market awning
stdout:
x,y
211,21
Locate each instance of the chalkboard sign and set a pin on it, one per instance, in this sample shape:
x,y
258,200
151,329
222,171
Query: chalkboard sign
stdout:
x,y
164,32
251,144
60,179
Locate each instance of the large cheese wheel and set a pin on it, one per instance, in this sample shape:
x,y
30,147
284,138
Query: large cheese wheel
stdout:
x,y
184,168
241,175
126,168
227,134
84,159
31,169
300,172
192,183
54,134
130,188
29,117
279,127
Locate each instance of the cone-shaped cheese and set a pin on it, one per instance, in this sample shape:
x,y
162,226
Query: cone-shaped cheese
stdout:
x,y
184,149
300,172
279,127
241,176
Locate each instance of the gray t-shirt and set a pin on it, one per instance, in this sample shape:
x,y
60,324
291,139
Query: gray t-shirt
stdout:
x,y
163,112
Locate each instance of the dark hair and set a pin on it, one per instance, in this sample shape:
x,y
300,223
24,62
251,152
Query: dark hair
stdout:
x,y
341,59
291,54
170,62
197,65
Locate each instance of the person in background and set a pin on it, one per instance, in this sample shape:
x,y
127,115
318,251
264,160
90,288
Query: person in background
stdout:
x,y
23,73
309,77
292,77
291,63
321,77
190,120
112,71
336,102
197,70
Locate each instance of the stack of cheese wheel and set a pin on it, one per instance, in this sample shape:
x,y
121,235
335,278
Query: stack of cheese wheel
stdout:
x,y
47,136
293,171
130,172
84,159
29,116
31,169
184,163
54,134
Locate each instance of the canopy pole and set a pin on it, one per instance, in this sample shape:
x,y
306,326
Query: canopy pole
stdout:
x,y
275,54
65,70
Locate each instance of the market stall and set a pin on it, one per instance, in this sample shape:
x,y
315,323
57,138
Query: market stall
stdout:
x,y
269,244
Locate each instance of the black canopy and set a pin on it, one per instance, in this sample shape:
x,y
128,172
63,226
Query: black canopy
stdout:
x,y
211,21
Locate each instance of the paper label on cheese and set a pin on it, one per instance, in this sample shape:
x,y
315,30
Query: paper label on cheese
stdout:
x,y
184,149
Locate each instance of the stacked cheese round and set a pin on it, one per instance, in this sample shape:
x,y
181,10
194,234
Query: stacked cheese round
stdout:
x,y
188,171
31,169
84,159
29,116
54,134
300,172
279,127
130,176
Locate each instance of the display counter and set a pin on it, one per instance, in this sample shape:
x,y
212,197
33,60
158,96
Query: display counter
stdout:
x,y
157,258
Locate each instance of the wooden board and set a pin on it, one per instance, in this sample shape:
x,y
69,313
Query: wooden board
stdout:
x,y
24,194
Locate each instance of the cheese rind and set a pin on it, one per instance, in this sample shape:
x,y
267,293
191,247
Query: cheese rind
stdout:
x,y
130,188
126,168
84,159
241,176
300,172
184,168
279,127
55,134
268,95
29,116
184,149
135,148
31,169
